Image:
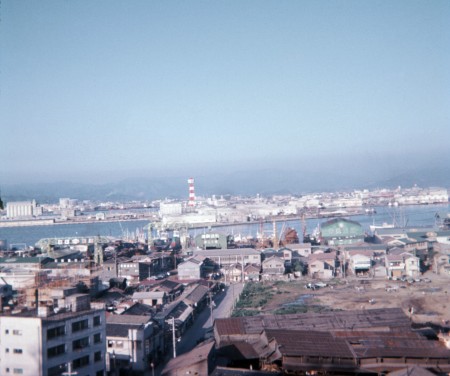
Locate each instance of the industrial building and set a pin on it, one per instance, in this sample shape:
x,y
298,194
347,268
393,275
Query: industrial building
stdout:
x,y
22,209
368,342
228,257
212,240
341,231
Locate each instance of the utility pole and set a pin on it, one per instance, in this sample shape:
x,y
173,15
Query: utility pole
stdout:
x,y
69,370
174,341
211,308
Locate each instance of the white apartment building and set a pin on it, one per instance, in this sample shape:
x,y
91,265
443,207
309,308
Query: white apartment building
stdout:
x,y
43,343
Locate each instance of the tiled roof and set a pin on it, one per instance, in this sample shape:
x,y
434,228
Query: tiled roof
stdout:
x,y
197,293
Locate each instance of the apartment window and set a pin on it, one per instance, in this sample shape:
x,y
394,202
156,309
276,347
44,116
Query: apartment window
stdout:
x,y
98,356
56,332
55,351
80,325
81,362
97,338
97,320
6,350
17,351
17,332
119,344
18,371
80,343
6,331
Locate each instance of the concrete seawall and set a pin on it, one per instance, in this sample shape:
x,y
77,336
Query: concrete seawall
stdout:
x,y
35,222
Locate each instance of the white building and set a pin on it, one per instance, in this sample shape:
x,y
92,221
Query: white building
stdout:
x,y
22,209
190,269
43,343
132,341
170,208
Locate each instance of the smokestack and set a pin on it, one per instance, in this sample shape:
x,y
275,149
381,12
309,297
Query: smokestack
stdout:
x,y
191,192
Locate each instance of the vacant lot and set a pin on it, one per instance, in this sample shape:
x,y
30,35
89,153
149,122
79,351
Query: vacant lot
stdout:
x,y
424,301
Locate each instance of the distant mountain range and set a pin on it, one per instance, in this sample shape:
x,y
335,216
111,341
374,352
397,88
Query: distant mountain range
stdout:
x,y
286,180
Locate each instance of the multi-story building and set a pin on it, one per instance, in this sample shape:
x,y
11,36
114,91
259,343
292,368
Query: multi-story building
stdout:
x,y
227,257
137,270
47,342
134,342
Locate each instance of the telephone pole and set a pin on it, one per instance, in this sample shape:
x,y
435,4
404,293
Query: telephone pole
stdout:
x,y
174,340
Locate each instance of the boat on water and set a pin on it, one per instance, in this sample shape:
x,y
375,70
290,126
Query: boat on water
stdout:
x,y
375,227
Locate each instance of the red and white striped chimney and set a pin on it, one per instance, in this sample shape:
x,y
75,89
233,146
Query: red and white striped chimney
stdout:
x,y
191,192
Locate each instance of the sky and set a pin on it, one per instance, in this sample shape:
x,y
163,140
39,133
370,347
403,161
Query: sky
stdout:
x,y
94,89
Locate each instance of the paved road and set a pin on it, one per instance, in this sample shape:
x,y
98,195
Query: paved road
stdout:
x,y
223,306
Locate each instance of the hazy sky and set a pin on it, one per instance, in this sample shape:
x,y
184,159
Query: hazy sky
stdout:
x,y
189,87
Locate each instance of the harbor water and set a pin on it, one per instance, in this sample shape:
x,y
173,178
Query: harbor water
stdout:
x,y
403,216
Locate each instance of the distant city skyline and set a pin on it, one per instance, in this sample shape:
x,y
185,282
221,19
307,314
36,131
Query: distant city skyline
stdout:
x,y
106,90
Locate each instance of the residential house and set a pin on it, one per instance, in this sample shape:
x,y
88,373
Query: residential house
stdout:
x,y
233,273
196,296
172,289
152,298
178,315
191,269
441,263
301,249
322,265
252,272
273,268
402,264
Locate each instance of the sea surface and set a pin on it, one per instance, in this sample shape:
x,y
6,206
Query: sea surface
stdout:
x,y
413,215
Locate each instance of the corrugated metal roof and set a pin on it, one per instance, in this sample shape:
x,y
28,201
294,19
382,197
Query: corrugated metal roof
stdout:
x,y
197,355
127,319
383,319
230,326
309,343
399,347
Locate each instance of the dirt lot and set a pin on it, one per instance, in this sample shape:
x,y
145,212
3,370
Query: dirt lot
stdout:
x,y
428,301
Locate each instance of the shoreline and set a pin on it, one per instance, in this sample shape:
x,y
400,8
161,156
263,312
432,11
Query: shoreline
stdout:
x,y
330,213
281,218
